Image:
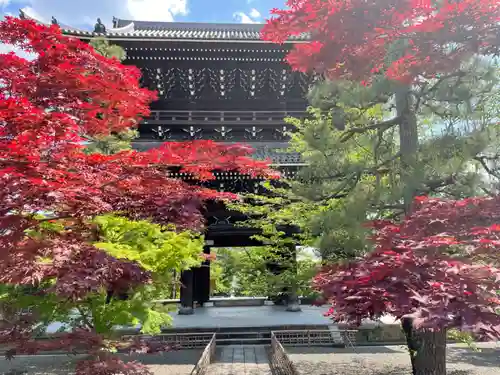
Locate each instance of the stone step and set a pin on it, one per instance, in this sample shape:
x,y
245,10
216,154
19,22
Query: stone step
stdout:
x,y
244,341
240,360
264,328
252,335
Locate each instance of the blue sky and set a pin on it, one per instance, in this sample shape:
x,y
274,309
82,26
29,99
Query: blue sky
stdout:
x,y
83,13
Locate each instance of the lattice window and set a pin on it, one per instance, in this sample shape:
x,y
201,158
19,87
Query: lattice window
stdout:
x,y
317,337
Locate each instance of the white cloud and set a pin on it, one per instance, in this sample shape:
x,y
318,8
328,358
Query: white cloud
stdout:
x,y
243,18
254,13
6,48
156,10
80,13
30,12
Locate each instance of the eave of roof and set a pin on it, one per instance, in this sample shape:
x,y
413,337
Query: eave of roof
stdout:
x,y
185,31
177,31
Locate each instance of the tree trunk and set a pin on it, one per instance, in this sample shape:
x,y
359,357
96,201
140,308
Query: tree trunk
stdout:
x,y
408,140
427,349
293,302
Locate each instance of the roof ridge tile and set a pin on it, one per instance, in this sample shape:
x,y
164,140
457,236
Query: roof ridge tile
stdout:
x,y
185,30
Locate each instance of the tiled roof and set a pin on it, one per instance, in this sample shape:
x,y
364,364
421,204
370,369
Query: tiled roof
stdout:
x,y
182,31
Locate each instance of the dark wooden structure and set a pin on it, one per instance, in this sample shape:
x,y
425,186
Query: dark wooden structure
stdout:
x,y
219,82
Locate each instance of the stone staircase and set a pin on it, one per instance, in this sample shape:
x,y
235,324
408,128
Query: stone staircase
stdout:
x,y
240,360
248,335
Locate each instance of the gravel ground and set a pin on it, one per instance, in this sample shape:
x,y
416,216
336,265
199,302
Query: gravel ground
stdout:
x,y
171,363
380,360
390,360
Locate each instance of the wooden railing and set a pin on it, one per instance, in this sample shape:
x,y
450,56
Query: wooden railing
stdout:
x,y
178,340
317,337
280,362
220,117
207,357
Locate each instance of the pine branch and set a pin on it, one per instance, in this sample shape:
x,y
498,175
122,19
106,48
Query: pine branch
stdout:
x,y
371,171
340,193
433,185
443,115
482,161
389,206
487,192
441,79
383,126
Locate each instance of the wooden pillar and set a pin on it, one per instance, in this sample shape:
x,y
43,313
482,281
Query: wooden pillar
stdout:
x,y
187,302
202,280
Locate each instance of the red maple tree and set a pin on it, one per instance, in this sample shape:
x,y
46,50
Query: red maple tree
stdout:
x,y
350,39
48,106
410,42
439,267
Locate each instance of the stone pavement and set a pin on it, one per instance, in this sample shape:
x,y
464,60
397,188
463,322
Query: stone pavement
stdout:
x,y
240,360
210,318
250,316
260,316
391,360
170,363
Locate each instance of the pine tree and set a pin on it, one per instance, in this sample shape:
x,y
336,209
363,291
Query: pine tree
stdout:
x,y
102,46
416,63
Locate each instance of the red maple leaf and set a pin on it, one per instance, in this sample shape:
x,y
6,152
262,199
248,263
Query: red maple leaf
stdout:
x,y
350,39
418,277
48,106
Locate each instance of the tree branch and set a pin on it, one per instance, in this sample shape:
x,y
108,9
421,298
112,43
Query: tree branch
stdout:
x,y
389,206
372,171
443,115
55,218
339,193
482,161
384,125
441,80
487,192
433,185
85,318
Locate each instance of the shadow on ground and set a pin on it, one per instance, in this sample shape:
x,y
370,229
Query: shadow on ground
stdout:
x,y
177,357
389,360
179,362
38,365
358,350
486,357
